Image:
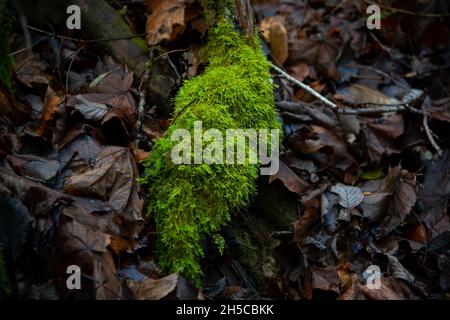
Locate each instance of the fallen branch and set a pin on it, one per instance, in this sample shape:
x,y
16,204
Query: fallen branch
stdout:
x,y
304,87
298,108
430,135
141,104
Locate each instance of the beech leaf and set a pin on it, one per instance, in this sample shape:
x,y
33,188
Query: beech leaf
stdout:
x,y
349,197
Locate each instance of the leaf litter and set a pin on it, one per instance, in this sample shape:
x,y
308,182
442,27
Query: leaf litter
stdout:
x,y
357,190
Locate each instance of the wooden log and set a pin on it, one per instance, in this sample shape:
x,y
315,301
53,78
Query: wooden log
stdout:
x,y
101,21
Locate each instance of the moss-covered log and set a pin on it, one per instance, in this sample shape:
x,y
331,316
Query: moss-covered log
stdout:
x,y
190,202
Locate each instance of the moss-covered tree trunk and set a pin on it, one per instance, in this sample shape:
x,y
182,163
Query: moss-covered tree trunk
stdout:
x,y
192,202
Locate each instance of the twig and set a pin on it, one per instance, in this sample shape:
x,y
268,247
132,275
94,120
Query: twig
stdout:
x,y
430,135
371,110
52,34
141,105
304,87
291,107
167,53
29,47
83,40
74,55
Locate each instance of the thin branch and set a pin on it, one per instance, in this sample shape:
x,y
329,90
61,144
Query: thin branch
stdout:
x,y
381,109
52,34
304,87
297,108
430,135
83,40
29,47
141,105
74,55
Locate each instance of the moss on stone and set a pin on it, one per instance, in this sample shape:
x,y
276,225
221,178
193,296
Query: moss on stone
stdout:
x,y
190,202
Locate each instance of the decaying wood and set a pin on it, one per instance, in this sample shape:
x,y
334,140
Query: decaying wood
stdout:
x,y
101,21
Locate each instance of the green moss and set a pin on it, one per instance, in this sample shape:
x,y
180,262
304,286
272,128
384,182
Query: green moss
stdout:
x,y
5,286
6,61
190,202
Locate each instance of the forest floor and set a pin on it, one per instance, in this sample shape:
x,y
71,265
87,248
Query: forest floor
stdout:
x,y
364,178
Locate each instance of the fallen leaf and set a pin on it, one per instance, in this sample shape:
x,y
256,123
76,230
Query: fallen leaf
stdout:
x,y
166,20
34,167
170,287
289,179
436,193
349,197
274,33
90,110
317,51
32,70
391,289
360,94
398,271
113,179
52,108
326,279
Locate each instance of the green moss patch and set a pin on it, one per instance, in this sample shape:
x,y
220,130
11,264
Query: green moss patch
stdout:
x,y
191,202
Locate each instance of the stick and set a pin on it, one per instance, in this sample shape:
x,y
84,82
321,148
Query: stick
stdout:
x,y
430,135
304,87
141,105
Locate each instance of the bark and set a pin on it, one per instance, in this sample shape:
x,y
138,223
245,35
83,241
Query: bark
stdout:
x,y
101,21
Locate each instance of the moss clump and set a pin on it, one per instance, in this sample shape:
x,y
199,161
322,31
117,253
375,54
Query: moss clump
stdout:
x,y
190,202
6,61
5,286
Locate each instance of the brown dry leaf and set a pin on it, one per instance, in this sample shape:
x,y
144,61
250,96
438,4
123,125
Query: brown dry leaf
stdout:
x,y
113,179
391,289
170,287
322,139
392,197
13,108
380,134
374,205
299,71
113,92
75,237
34,167
326,279
166,20
39,199
32,70
151,289
309,218
289,179
352,291
360,94
78,149
404,198
302,95
275,34
139,154
87,248
418,234
318,52
436,195
52,107
104,277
